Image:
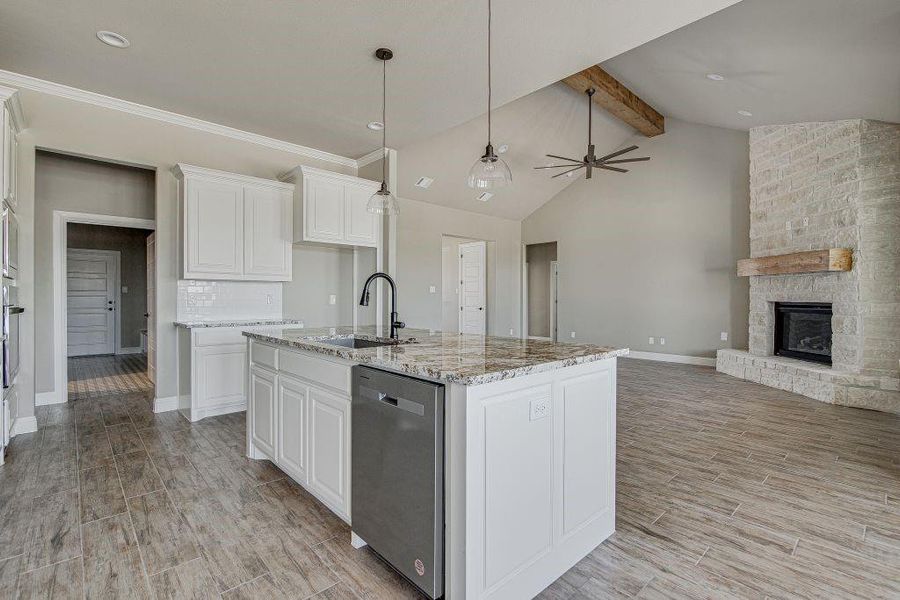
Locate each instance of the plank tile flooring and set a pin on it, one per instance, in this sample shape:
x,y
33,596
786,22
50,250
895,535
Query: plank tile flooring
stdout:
x,y
726,489
97,376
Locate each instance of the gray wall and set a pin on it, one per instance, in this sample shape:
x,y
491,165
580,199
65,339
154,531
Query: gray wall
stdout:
x,y
77,185
652,252
320,271
420,229
132,245
538,257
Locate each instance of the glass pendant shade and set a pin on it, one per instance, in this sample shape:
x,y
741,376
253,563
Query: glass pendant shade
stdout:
x,y
489,171
383,202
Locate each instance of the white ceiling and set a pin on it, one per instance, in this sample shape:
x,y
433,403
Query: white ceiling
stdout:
x,y
303,72
784,61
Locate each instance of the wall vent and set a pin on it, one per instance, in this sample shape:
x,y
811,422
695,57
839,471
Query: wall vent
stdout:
x,y
424,182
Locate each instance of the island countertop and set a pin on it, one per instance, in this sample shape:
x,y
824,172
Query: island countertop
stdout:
x,y
464,359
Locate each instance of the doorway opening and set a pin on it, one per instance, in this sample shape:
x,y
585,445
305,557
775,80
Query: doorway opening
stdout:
x,y
466,282
541,275
110,287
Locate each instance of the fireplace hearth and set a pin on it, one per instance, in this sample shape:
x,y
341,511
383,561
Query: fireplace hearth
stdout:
x,y
803,330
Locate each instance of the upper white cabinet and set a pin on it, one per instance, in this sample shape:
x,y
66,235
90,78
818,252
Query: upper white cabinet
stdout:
x,y
331,208
234,226
11,123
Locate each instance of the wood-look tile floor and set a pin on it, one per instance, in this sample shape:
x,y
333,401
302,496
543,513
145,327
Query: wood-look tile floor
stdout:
x,y
107,374
725,489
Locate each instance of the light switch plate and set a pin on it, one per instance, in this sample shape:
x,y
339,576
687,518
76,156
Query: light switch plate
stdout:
x,y
432,289
332,299
651,341
662,341
572,335
539,409
724,336
124,289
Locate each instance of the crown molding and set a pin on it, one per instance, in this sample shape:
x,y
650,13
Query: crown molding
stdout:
x,y
11,98
371,157
183,171
126,106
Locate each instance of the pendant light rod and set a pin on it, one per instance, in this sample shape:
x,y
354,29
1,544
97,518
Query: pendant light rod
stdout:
x,y
489,71
384,55
590,94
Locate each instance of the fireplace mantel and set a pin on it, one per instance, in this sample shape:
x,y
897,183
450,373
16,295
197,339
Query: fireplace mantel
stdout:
x,y
812,261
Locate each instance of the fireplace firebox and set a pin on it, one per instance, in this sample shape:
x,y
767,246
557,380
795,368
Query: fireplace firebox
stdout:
x,y
803,330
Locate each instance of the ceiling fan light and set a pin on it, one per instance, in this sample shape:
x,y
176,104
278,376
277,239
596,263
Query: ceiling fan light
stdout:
x,y
489,172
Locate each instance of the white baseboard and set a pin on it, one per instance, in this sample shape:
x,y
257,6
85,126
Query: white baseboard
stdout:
x,y
23,425
673,358
47,398
165,404
132,350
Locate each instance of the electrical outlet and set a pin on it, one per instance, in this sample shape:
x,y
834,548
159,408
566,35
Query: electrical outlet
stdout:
x,y
572,335
124,289
268,298
432,289
539,409
806,221
787,225
651,341
723,336
662,341
511,331
332,299
332,331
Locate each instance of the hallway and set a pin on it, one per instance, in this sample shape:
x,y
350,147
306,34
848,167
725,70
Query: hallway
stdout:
x,y
104,375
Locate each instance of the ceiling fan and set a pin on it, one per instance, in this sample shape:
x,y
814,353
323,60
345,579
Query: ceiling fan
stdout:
x,y
590,162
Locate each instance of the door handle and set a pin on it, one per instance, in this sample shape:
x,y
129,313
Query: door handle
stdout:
x,y
480,308
110,308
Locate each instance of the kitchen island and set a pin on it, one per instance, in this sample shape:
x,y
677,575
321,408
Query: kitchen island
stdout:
x,y
529,439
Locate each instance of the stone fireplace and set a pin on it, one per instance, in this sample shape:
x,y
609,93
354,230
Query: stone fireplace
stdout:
x,y
816,186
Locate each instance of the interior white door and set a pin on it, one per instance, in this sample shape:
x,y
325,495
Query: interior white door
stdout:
x,y
472,297
151,307
92,280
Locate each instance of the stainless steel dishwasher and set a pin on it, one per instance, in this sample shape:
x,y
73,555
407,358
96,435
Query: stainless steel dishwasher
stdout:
x,y
397,472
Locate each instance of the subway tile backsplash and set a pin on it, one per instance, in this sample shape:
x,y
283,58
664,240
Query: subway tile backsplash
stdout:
x,y
215,300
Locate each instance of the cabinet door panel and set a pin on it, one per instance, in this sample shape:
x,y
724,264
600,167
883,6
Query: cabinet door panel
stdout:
x,y
329,474
214,229
323,204
361,226
221,378
262,393
292,400
267,238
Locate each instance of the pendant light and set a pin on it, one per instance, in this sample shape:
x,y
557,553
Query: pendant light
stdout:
x,y
383,202
489,171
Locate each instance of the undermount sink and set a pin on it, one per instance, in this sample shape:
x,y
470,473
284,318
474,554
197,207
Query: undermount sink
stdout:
x,y
351,342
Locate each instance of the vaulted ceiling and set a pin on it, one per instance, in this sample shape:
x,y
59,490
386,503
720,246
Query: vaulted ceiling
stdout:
x,y
303,72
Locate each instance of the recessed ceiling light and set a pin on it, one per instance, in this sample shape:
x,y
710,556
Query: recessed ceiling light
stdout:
x,y
375,125
503,148
111,38
424,182
484,196
715,77
745,113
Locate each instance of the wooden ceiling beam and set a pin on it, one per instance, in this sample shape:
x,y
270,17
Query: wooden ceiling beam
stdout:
x,y
618,100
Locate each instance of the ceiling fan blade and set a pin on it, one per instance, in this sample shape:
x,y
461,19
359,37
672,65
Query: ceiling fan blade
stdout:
x,y
563,158
569,171
617,153
625,160
612,168
553,166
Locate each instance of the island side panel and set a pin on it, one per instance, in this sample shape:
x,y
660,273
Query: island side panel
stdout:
x,y
539,478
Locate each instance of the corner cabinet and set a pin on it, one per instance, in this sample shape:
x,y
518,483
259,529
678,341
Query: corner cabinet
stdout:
x,y
298,416
234,226
11,122
330,208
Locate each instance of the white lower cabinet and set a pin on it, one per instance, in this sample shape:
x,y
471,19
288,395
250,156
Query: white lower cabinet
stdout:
x,y
212,372
263,388
299,418
329,440
293,397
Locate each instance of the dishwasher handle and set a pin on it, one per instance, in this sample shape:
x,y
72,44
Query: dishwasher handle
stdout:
x,y
416,408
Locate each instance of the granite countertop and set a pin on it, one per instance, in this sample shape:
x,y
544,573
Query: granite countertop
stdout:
x,y
464,359
236,323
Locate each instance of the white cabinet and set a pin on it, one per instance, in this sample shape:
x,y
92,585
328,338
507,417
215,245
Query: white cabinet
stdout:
x,y
212,371
331,208
292,426
329,440
11,123
233,226
306,432
263,391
